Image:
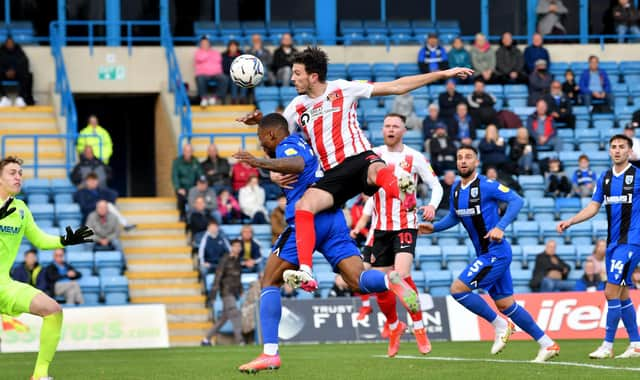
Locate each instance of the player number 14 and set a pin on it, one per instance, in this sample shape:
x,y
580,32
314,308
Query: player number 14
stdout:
x,y
616,266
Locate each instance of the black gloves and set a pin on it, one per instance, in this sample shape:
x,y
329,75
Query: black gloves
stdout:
x,y
5,210
81,235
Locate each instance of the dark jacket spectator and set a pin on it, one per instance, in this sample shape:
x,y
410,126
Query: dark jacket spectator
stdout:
x,y
88,197
548,264
492,148
442,150
550,14
184,173
557,182
87,164
238,94
432,122
447,181
432,57
264,55
481,105
559,106
283,59
217,169
534,52
539,82
594,83
30,272
570,88
211,247
625,17
483,58
228,274
198,219
590,280
61,271
463,126
250,255
509,61
14,66
542,127
449,100
523,151
458,55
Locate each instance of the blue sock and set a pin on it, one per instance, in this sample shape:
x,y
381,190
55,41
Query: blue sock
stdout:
x,y
372,281
270,313
523,319
628,313
613,318
476,305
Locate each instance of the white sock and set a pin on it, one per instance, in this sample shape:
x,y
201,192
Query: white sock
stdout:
x,y
305,268
417,325
608,345
499,323
270,349
366,303
394,325
545,341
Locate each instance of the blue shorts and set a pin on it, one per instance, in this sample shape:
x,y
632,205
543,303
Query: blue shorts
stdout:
x,y
490,272
620,261
332,240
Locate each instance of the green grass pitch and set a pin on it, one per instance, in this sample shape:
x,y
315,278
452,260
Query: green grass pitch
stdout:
x,y
332,361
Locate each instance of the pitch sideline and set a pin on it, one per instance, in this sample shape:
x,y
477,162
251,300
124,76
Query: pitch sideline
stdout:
x,y
568,364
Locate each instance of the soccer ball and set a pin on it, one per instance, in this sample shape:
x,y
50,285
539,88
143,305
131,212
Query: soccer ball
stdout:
x,y
246,71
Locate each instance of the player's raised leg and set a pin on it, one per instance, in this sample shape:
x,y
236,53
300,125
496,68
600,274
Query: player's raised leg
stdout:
x,y
628,316
403,265
51,314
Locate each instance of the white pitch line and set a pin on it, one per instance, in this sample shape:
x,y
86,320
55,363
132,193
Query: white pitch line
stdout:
x,y
568,364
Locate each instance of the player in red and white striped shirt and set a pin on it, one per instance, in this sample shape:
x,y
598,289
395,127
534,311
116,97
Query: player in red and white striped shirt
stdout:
x,y
326,113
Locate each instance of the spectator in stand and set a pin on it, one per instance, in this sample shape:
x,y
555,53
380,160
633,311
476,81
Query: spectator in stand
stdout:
x,y
447,181
432,122
197,220
542,128
584,179
403,105
227,282
590,280
449,100
594,84
550,15
201,189
278,220
626,17
238,94
257,49
88,197
550,272
106,230
217,169
559,106
509,62
208,67
62,279
88,164
252,199
229,208
14,66
492,149
570,88
30,272
282,60
356,213
184,172
483,58
598,257
98,138
240,173
463,126
340,288
481,105
211,247
534,52
442,150
458,55
288,292
504,178
432,57
522,151
630,132
271,190
557,181
250,255
539,82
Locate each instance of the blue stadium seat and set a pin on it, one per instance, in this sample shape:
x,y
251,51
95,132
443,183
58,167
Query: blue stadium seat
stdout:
x,y
458,254
287,94
375,27
404,69
399,27
62,198
429,257
529,252
630,67
82,259
262,231
68,211
232,231
325,279
599,158
600,228
115,289
531,182
359,71
548,230
437,278
515,89
421,28
567,205
522,277
206,28
90,287
382,69
267,93
108,259
351,26
419,280
279,27
526,229
565,134
37,199
62,185
247,279
36,186
567,253
254,27
558,69
267,106
337,71
303,26
42,211
448,27
583,251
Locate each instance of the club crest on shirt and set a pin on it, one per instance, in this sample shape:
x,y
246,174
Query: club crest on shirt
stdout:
x,y
333,96
21,212
628,179
474,192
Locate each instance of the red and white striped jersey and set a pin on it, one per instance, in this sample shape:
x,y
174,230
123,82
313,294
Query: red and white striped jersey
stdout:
x,y
391,215
370,210
330,121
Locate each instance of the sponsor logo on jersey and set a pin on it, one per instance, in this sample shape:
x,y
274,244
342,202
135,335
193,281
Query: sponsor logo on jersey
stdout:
x,y
9,229
618,199
290,152
503,188
468,211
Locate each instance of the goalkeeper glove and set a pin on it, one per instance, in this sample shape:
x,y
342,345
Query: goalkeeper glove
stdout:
x,y
5,210
81,235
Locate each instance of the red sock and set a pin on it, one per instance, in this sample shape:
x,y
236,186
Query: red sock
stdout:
x,y
305,237
387,304
417,316
365,299
388,181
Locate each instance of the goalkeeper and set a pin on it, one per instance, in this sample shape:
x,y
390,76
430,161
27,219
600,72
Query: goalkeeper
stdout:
x,y
16,298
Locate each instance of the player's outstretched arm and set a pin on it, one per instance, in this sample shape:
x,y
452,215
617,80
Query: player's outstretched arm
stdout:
x,y
252,118
5,210
447,222
409,83
80,236
285,165
585,214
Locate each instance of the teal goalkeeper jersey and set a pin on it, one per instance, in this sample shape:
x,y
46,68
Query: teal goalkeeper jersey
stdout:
x,y
12,228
